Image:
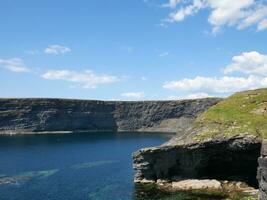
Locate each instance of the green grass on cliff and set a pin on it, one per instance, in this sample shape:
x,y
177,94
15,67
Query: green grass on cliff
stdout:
x,y
241,113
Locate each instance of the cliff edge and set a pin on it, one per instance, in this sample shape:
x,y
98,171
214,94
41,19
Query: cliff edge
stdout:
x,y
223,143
51,115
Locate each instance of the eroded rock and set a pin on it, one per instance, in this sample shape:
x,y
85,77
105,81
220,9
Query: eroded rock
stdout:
x,y
262,172
232,158
50,115
193,184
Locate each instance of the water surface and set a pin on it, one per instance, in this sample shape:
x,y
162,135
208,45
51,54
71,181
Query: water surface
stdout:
x,y
70,166
88,166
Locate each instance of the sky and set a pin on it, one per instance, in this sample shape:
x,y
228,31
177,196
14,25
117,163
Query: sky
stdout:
x,y
132,49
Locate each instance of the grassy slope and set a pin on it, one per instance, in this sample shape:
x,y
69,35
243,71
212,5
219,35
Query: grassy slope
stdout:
x,y
241,113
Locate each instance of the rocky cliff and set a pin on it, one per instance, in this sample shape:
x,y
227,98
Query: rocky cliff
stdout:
x,y
48,115
262,172
232,159
223,143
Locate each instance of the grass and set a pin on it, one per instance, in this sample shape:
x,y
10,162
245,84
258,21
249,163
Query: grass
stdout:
x,y
241,113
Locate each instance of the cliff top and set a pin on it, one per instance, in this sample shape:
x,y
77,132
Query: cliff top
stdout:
x,y
241,113
67,100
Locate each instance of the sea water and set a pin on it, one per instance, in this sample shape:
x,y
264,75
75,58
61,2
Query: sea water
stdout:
x,y
87,166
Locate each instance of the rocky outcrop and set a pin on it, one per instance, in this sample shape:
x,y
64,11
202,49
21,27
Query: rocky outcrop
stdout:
x,y
233,189
229,159
49,115
262,172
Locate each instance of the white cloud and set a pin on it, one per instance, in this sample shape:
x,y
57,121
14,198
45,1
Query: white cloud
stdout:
x,y
164,54
14,65
252,64
183,12
86,79
133,95
199,95
57,49
173,97
248,63
240,13
144,78
171,3
228,12
262,25
225,84
253,17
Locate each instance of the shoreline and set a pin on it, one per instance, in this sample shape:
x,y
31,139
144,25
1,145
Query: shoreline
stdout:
x,y
208,187
11,133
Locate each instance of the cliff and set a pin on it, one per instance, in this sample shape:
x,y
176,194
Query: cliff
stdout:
x,y
231,159
223,143
49,115
262,172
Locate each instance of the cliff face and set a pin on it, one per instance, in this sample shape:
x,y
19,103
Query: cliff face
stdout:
x,y
168,116
262,172
223,143
48,115
233,159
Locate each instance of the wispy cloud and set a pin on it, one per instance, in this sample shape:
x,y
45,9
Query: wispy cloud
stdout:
x,y
32,52
133,95
252,64
171,3
164,54
57,49
143,78
262,25
239,14
85,79
190,96
14,64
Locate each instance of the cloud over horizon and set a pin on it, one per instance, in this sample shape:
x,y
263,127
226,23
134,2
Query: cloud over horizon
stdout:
x,y
252,65
199,95
133,95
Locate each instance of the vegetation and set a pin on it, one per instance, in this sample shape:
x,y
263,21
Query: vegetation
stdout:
x,y
241,113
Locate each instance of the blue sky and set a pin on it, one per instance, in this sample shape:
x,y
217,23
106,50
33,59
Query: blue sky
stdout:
x,y
132,49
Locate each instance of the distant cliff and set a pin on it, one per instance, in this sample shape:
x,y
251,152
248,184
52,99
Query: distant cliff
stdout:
x,y
48,115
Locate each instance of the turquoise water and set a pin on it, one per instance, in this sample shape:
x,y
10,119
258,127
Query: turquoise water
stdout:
x,y
92,166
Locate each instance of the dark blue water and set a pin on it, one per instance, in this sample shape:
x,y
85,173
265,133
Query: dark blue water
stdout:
x,y
89,166
72,166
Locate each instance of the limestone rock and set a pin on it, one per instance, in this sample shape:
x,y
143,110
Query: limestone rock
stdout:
x,y
197,185
262,172
233,159
50,115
